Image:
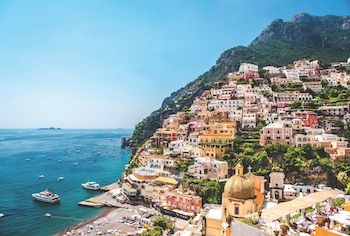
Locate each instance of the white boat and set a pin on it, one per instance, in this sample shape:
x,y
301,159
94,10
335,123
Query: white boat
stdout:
x,y
60,178
60,161
41,176
91,185
46,196
49,158
2,215
75,164
77,151
27,159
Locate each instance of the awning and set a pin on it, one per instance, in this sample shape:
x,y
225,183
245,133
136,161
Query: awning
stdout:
x,y
287,208
166,180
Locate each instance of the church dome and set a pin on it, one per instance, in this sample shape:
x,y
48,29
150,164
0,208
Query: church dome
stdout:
x,y
239,186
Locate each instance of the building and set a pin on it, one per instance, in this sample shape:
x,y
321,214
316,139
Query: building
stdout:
x,y
315,86
272,70
308,118
161,161
206,168
238,198
183,201
277,186
278,132
246,67
154,192
249,118
286,97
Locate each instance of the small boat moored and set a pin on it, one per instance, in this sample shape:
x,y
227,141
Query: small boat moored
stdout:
x,y
41,176
60,178
46,196
27,159
76,163
91,185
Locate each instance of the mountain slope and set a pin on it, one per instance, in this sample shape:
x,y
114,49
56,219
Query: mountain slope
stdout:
x,y
326,38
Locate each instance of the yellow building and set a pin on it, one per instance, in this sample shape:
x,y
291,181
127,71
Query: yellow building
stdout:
x,y
214,150
215,145
238,198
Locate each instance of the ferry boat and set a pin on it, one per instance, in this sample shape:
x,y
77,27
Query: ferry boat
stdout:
x,y
46,196
91,185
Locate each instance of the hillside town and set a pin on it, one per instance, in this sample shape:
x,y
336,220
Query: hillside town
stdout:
x,y
263,152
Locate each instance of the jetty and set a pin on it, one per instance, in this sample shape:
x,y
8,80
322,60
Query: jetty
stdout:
x,y
104,199
111,186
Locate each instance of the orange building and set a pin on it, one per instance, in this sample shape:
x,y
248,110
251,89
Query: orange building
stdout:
x,y
183,201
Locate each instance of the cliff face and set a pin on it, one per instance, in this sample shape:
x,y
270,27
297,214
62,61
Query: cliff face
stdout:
x,y
303,28
325,38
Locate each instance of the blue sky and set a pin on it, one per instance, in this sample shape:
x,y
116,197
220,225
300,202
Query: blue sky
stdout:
x,y
110,63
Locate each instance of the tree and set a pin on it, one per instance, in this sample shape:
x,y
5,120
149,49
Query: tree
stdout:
x,y
339,123
342,178
185,109
295,105
262,73
292,161
347,189
161,222
274,87
263,160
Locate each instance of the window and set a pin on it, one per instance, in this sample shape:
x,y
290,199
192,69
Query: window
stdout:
x,y
277,195
236,210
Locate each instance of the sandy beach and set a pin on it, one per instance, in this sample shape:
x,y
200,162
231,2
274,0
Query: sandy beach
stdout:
x,y
108,222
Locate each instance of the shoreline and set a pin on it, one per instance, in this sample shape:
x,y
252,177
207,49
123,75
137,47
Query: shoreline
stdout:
x,y
104,213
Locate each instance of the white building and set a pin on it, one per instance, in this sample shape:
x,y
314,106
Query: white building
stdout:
x,y
272,70
231,105
246,67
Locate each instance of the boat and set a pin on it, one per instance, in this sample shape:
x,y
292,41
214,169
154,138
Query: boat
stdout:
x,y
75,164
2,215
77,151
64,153
46,196
49,158
60,161
31,157
91,185
41,176
97,154
27,159
60,178
89,156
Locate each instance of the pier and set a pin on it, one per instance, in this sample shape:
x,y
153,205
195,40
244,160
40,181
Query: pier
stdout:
x,y
111,187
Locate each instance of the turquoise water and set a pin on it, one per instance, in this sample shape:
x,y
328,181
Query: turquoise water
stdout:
x,y
20,178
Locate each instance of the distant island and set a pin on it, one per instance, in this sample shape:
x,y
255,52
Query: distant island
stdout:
x,y
51,128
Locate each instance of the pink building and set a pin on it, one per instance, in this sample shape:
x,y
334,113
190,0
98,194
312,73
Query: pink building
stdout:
x,y
278,132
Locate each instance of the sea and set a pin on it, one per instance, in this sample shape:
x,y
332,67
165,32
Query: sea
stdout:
x,y
19,178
